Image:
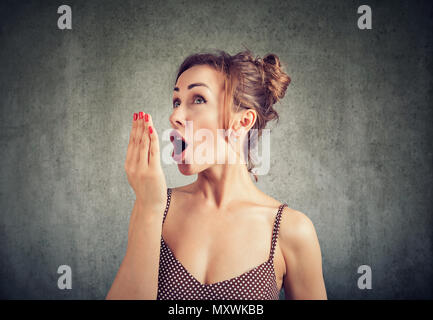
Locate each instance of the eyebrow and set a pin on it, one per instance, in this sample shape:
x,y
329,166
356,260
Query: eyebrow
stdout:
x,y
192,85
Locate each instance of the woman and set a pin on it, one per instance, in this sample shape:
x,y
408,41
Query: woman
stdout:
x,y
219,237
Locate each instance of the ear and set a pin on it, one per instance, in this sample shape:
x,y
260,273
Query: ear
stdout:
x,y
246,120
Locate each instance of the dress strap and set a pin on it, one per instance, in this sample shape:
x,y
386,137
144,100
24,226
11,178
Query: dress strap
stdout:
x,y
276,230
168,204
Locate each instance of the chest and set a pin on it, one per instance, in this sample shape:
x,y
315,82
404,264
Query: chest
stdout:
x,y
212,250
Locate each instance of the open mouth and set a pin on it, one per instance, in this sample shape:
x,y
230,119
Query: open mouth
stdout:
x,y
179,144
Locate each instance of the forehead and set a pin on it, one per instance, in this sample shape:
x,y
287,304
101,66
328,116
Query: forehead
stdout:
x,y
201,73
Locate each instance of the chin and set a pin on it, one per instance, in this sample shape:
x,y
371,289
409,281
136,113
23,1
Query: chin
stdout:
x,y
190,169
186,169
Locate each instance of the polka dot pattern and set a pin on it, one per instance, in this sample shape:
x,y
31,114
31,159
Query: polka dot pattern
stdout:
x,y
176,283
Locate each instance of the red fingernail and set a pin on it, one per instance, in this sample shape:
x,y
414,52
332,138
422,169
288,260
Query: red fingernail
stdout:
x,y
146,118
135,116
150,129
140,114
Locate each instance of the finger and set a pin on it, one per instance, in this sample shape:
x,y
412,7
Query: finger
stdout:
x,y
133,127
131,137
146,123
154,154
138,134
144,147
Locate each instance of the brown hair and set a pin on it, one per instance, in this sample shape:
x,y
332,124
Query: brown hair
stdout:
x,y
249,83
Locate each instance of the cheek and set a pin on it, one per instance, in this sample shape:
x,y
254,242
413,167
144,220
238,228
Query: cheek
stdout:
x,y
206,117
206,120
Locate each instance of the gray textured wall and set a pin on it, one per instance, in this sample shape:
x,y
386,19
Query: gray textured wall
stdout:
x,y
353,148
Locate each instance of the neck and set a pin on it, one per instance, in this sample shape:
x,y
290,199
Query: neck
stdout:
x,y
223,183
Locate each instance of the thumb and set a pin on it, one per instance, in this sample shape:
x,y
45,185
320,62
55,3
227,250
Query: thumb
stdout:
x,y
154,153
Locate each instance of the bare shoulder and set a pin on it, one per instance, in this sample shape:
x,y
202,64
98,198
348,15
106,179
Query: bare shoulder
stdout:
x,y
297,231
303,276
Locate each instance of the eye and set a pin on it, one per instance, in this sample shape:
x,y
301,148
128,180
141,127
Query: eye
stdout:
x,y
176,102
200,98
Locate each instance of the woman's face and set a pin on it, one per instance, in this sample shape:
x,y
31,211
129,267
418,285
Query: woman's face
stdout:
x,y
197,115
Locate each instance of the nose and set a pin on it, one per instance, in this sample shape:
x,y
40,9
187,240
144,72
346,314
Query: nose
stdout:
x,y
177,118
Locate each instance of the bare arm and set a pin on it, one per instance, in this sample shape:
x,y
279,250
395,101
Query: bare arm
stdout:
x,y
132,218
137,277
301,250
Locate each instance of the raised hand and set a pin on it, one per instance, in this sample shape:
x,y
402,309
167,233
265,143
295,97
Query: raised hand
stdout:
x,y
143,166
137,277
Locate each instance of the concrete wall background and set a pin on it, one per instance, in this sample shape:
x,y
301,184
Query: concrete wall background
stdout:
x,y
352,150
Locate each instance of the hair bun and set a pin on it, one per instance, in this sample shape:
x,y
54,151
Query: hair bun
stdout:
x,y
272,59
276,79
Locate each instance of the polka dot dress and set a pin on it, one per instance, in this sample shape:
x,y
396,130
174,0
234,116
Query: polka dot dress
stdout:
x,y
176,283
